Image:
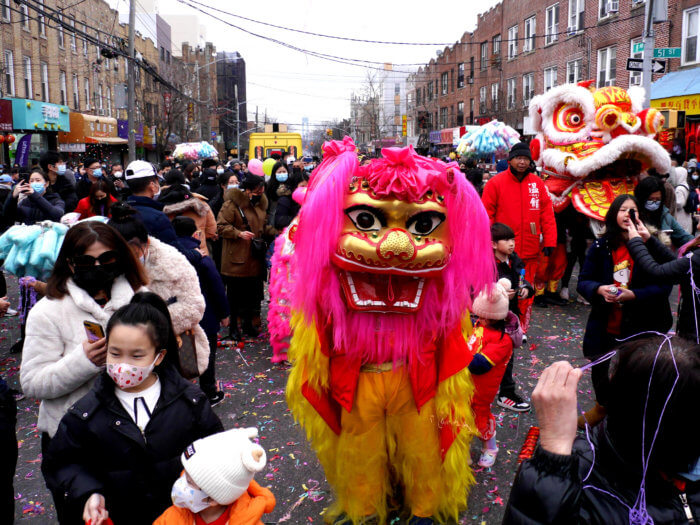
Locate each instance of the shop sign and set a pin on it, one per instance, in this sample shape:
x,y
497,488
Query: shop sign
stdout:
x,y
34,115
688,103
6,115
72,148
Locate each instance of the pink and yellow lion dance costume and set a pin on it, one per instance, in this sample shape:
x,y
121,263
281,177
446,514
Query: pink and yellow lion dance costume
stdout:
x,y
386,259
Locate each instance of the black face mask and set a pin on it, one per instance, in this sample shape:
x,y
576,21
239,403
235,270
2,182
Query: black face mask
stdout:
x,y
97,278
255,199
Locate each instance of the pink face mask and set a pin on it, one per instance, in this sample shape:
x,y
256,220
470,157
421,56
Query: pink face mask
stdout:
x,y
126,375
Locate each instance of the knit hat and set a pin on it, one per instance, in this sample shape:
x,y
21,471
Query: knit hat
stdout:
x,y
223,464
493,305
521,149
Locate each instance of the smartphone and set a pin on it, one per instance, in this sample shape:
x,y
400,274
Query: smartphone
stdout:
x,y
633,216
93,331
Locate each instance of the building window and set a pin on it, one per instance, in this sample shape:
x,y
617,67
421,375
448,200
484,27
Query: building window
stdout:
x,y
443,117
76,92
528,87
162,53
573,71
512,42
9,74
64,89
167,57
40,19
28,89
496,45
397,88
460,113
452,80
24,16
471,68
577,10
635,76
443,83
99,98
606,66
86,86
607,8
471,109
552,24
460,75
689,43
529,39
73,42
6,11
85,42
109,102
494,96
512,93
107,65
430,91
484,55
482,100
97,45
59,29
550,78
44,81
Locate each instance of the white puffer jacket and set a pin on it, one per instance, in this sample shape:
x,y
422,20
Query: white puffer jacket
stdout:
x,y
54,366
171,276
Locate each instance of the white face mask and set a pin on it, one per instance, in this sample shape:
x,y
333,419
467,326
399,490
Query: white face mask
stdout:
x,y
126,375
187,497
652,205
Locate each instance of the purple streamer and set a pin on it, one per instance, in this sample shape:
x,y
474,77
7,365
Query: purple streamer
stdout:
x,y
27,296
638,513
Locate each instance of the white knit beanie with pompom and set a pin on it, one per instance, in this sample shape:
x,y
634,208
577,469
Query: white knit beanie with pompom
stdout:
x,y
493,305
223,464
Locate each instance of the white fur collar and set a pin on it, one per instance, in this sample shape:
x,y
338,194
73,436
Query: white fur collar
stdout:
x,y
121,295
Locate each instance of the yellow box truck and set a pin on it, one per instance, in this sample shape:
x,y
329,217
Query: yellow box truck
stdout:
x,y
263,145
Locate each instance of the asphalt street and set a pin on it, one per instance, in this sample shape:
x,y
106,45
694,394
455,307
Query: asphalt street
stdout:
x,y
254,390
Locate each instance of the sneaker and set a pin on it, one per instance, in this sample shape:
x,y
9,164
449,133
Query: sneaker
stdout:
x,y
554,299
540,301
524,340
488,457
564,294
513,402
216,398
11,312
581,299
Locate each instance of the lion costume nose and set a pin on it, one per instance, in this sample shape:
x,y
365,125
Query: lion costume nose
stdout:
x,y
397,243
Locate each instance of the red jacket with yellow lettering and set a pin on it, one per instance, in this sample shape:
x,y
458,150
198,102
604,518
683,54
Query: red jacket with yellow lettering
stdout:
x,y
526,207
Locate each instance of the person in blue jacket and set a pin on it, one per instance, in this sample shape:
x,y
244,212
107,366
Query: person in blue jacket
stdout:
x,y
143,183
216,312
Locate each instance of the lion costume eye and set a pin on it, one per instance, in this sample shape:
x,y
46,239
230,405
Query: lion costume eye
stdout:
x,y
569,118
366,218
425,222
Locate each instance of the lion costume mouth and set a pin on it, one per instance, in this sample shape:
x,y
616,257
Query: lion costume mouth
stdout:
x,y
371,292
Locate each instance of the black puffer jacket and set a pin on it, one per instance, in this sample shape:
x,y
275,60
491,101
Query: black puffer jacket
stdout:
x,y
35,208
549,488
674,272
99,449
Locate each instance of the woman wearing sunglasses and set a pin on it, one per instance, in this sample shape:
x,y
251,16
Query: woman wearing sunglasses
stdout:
x,y
95,274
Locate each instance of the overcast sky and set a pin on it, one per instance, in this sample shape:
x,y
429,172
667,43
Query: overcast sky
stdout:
x,y
291,84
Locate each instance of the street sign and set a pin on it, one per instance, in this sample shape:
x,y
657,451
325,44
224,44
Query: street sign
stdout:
x,y
635,64
658,66
639,47
667,52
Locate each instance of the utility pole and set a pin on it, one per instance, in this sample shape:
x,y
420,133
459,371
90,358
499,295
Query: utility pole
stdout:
x,y
131,96
648,52
238,122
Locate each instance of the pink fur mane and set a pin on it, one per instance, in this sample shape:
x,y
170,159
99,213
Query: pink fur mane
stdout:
x,y
405,175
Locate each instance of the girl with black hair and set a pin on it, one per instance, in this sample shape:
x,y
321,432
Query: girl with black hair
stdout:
x,y
625,299
116,452
651,194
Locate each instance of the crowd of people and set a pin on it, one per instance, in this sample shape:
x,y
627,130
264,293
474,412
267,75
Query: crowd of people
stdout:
x,y
137,301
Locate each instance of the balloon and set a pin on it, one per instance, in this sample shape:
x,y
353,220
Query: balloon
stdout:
x,y
267,166
10,139
256,167
452,155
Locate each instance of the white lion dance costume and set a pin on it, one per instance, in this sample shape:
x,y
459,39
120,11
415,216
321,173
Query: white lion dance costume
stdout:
x,y
386,259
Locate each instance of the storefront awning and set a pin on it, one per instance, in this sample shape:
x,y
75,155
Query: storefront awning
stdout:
x,y
105,140
678,90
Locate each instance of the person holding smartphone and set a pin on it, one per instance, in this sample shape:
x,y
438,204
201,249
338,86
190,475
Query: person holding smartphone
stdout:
x,y
34,201
95,274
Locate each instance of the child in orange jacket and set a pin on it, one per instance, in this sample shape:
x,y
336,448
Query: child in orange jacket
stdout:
x,y
217,486
491,346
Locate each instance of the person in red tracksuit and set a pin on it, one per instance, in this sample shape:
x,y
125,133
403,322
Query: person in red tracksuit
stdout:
x,y
518,197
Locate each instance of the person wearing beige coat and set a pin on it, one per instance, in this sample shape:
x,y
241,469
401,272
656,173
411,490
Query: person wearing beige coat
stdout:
x,y
180,201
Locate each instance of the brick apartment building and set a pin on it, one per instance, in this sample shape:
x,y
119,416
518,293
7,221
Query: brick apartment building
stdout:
x,y
520,49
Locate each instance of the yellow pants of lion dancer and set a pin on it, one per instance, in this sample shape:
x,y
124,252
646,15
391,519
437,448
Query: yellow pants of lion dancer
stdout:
x,y
385,438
